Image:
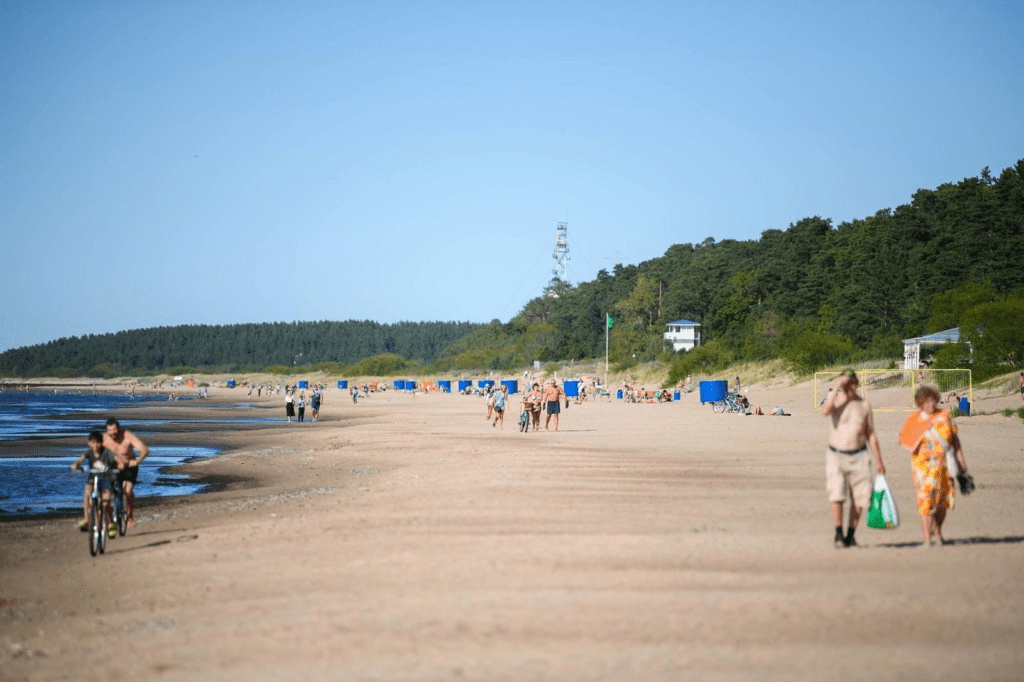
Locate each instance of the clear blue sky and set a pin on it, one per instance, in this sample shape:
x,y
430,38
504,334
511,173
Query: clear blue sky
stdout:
x,y
171,163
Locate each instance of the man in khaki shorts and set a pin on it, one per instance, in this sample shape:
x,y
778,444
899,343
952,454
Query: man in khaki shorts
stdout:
x,y
851,431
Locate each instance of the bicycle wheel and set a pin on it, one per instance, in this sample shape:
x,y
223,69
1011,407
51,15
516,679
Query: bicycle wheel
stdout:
x,y
720,406
94,528
101,524
121,512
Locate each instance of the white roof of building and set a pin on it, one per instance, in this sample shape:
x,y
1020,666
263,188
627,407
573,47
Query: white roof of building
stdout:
x,y
947,336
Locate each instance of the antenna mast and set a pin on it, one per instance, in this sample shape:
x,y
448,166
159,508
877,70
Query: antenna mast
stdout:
x,y
560,282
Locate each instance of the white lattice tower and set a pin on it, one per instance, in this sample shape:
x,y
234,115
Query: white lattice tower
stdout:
x,y
561,256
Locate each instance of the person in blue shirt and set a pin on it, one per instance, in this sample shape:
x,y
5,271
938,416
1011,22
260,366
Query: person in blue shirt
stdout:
x,y
499,406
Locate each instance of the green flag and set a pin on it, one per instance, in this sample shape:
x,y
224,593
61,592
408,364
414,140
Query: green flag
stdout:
x,y
609,321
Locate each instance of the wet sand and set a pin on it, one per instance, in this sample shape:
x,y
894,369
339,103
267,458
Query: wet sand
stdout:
x,y
405,538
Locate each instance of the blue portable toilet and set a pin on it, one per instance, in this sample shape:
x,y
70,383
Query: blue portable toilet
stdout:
x,y
512,385
342,383
713,391
464,384
303,384
445,385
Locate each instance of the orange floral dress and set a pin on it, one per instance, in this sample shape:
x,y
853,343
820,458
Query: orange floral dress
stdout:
x,y
931,477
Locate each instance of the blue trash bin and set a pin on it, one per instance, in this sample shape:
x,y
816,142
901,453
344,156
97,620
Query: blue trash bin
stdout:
x,y
713,391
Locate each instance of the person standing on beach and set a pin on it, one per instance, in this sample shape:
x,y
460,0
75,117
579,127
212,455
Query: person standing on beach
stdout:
x,y
552,394
315,403
302,406
851,431
289,405
123,443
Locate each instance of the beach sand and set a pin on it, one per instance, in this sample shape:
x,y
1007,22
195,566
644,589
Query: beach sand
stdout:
x,y
406,538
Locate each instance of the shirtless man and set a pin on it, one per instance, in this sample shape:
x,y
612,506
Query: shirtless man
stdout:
x,y
851,431
551,399
123,444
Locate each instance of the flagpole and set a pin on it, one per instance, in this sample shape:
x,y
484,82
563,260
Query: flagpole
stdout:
x,y
607,387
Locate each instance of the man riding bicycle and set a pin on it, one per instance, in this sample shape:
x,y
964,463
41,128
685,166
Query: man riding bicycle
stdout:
x,y
123,443
102,458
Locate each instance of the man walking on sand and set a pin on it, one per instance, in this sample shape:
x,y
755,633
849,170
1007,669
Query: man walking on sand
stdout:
x,y
123,444
551,398
851,431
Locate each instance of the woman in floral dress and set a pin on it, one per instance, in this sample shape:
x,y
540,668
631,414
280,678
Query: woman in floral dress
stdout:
x,y
934,434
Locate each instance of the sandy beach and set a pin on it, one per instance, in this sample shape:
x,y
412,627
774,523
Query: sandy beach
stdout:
x,y
406,538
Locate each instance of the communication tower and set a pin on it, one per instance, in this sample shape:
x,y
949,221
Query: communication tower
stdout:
x,y
560,282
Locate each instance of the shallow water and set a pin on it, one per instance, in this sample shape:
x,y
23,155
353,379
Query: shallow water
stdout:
x,y
37,485
41,482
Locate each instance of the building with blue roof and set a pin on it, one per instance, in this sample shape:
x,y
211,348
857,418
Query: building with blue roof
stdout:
x,y
912,347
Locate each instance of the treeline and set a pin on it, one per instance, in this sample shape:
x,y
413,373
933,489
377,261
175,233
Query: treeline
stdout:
x,y
232,348
814,294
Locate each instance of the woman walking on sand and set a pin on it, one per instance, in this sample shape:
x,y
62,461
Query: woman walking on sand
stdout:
x,y
930,433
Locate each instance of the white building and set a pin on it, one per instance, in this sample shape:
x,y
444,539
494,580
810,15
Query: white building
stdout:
x,y
683,334
912,347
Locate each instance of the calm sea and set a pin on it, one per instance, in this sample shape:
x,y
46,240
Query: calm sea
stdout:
x,y
42,482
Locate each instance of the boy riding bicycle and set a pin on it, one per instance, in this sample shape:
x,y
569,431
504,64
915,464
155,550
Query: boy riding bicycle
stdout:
x,y
102,458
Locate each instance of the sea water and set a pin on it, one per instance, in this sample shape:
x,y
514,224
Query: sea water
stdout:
x,y
25,414
41,481
37,485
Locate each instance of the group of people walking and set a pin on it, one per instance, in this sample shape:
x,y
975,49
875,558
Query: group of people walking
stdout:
x,y
930,434
291,403
548,399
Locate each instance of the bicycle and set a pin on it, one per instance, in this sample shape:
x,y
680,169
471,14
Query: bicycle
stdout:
x,y
730,403
97,513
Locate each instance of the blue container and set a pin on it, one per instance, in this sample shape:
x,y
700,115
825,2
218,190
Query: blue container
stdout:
x,y
342,383
303,384
445,385
464,384
571,388
231,383
675,396
619,394
713,391
965,406
410,385
484,383
512,385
